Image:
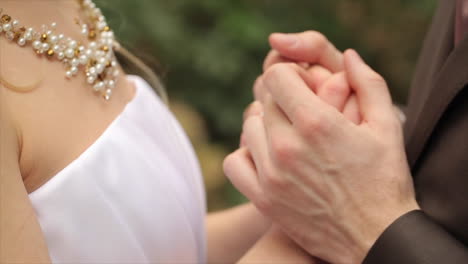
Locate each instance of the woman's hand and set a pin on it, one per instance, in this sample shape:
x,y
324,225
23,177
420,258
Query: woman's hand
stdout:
x,y
331,184
275,247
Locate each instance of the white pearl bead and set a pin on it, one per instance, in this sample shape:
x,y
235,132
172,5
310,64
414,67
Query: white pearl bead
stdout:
x,y
53,25
53,39
91,79
7,27
93,45
61,55
45,46
36,44
21,41
108,94
69,53
68,74
10,35
92,70
89,52
99,68
99,86
61,37
73,44
15,23
56,48
111,84
99,53
102,60
74,70
27,35
75,62
83,59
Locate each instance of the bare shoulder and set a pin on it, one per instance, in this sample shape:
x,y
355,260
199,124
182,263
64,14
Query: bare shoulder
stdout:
x,y
18,223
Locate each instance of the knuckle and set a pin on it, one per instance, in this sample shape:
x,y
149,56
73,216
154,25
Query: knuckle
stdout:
x,y
276,70
284,151
263,204
336,89
310,124
377,80
275,181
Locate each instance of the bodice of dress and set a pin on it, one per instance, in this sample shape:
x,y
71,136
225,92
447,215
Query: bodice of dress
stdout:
x,y
134,196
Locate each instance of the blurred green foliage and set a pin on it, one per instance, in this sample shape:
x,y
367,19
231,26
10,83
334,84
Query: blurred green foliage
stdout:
x,y
209,52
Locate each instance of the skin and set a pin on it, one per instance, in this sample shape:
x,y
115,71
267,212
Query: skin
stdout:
x,y
41,113
332,88
331,203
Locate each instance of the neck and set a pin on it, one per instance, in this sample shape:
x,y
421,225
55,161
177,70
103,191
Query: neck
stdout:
x,y
35,13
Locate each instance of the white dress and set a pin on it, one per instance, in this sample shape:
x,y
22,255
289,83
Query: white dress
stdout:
x,y
134,196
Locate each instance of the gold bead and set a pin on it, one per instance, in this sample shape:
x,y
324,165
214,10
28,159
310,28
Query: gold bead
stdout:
x,y
44,37
50,53
105,48
92,34
92,62
6,18
106,28
17,35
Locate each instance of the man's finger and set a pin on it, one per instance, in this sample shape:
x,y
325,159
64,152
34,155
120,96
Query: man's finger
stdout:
x,y
318,76
242,173
371,90
311,47
253,109
279,131
289,90
351,110
335,91
256,141
274,57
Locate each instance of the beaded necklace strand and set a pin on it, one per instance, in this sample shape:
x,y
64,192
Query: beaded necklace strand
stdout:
x,y
96,60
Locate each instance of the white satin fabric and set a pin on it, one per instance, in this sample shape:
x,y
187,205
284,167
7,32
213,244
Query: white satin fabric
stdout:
x,y
134,196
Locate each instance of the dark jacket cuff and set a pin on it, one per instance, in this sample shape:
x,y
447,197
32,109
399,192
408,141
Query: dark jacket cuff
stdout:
x,y
415,239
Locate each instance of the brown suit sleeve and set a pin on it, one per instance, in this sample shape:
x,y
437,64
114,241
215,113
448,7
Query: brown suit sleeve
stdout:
x,y
415,239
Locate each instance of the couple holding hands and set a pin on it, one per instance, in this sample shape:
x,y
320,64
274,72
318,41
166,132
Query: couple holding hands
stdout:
x,y
322,150
326,156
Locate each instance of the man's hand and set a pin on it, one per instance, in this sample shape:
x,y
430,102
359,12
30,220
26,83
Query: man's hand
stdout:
x,y
325,66
332,185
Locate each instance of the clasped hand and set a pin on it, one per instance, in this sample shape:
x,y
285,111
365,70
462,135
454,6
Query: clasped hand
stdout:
x,y
324,156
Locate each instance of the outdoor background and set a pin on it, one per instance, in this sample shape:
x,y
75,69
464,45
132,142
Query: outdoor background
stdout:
x,y
209,52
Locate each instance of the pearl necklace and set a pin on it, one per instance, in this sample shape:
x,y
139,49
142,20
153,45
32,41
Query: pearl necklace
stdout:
x,y
97,60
